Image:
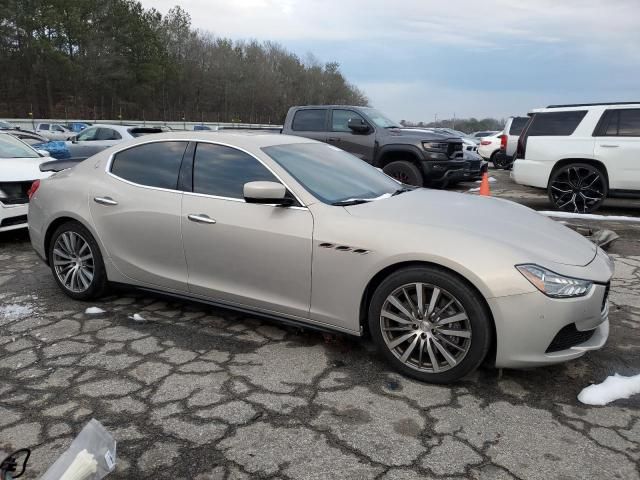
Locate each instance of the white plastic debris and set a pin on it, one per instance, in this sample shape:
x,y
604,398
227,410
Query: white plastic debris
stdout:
x,y
136,317
83,467
474,189
590,216
94,310
613,388
15,311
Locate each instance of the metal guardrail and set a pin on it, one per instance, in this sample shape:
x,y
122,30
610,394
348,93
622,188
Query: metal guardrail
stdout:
x,y
29,124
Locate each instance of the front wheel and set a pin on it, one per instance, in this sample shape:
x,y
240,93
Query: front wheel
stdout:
x,y
405,172
429,324
578,188
76,262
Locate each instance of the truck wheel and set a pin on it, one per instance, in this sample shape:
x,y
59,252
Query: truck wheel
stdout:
x,y
405,172
577,187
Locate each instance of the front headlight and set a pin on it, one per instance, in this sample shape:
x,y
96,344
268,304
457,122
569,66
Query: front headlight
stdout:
x,y
553,284
436,146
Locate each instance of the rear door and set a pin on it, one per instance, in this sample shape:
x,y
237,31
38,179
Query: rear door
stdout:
x,y
310,123
240,253
136,208
359,144
617,145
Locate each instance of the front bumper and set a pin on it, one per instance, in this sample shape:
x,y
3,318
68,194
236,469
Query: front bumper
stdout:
x,y
527,324
13,217
458,170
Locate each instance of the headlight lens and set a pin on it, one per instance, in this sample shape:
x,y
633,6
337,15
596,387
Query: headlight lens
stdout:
x,y
435,146
553,284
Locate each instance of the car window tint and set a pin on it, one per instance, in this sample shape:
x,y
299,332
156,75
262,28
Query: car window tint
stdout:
x,y
152,164
88,134
223,171
555,123
107,134
629,124
309,120
340,120
517,124
44,126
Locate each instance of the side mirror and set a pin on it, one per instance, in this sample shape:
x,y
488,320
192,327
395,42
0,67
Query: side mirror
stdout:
x,y
358,125
271,193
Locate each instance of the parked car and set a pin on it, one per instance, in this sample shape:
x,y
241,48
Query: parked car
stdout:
x,y
204,127
490,147
100,136
54,131
7,126
251,222
509,142
484,133
412,156
581,153
470,143
77,127
18,169
56,149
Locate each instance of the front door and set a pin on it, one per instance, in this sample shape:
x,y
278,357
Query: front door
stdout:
x,y
136,209
361,145
240,253
618,146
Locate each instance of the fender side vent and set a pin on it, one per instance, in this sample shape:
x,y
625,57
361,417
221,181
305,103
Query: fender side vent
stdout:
x,y
361,251
326,245
343,248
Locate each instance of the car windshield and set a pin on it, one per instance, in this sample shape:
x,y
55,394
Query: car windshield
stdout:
x,y
5,125
381,120
11,147
332,175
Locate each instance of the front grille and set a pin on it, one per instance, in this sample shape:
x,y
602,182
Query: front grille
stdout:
x,y
569,336
11,221
14,193
605,298
453,148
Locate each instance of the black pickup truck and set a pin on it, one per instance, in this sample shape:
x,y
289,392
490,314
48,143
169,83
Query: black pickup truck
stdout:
x,y
414,157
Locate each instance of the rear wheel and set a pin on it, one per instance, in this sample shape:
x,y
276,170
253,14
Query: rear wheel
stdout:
x,y
76,262
405,172
499,161
577,187
429,324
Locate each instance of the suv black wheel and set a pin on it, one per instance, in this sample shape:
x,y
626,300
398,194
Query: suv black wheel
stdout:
x,y
497,160
429,324
405,172
76,262
577,187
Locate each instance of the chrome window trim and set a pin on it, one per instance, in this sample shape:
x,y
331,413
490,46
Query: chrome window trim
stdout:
x,y
111,157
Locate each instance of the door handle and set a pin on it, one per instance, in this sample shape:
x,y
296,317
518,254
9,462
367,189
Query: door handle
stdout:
x,y
201,218
105,200
609,146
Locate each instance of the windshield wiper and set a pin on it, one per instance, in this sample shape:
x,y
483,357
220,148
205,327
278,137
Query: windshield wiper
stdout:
x,y
402,190
350,201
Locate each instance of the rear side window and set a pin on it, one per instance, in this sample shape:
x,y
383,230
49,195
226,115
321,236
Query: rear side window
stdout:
x,y
107,134
619,123
550,124
309,120
223,171
152,164
517,124
44,126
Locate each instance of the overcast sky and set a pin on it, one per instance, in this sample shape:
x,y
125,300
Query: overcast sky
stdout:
x,y
419,58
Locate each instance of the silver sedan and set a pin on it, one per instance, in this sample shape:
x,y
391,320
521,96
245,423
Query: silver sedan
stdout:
x,y
303,232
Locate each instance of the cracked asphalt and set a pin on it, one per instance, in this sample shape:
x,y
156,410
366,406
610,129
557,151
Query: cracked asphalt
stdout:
x,y
194,392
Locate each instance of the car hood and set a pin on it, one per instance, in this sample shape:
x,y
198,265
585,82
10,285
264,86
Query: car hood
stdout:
x,y
421,134
500,220
22,169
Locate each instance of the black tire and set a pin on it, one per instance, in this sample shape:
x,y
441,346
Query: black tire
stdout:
x,y
578,187
97,285
405,172
477,324
499,161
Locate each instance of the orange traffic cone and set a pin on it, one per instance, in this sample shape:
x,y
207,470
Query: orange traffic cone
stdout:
x,y
484,185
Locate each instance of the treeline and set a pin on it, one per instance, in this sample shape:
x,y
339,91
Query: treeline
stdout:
x,y
467,125
110,59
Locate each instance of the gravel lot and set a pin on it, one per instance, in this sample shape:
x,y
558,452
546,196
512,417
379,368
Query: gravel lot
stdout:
x,y
196,392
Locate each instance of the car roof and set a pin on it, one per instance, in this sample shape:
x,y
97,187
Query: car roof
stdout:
x,y
586,106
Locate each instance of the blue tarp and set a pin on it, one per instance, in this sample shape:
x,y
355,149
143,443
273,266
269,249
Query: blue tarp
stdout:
x,y
57,150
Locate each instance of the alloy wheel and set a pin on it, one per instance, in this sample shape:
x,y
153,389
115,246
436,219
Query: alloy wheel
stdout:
x,y
425,327
73,261
578,188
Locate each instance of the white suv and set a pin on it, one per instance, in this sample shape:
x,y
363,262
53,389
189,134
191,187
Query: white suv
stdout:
x,y
581,153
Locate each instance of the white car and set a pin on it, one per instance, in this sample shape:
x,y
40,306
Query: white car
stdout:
x,y
19,168
54,131
100,136
490,146
581,153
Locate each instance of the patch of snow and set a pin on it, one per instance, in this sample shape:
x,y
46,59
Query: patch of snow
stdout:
x,y
590,216
94,310
15,311
491,180
613,388
474,189
137,317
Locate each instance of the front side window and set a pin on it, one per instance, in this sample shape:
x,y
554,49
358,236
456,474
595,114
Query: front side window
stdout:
x,y
57,128
88,135
152,164
11,147
550,124
223,171
309,120
620,123
340,120
330,174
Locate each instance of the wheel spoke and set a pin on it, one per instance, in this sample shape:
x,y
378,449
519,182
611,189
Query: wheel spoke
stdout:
x,y
407,352
445,353
459,317
395,318
397,329
432,357
434,300
396,303
60,253
456,333
419,298
420,352
402,338
413,308
451,344
62,262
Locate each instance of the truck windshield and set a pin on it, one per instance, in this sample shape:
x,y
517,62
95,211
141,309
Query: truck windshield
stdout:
x,y
379,119
332,175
